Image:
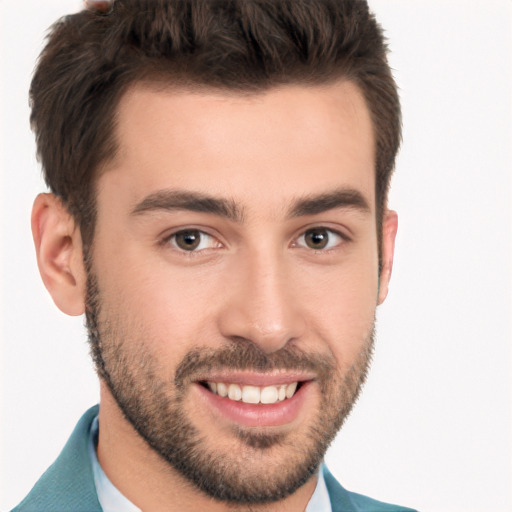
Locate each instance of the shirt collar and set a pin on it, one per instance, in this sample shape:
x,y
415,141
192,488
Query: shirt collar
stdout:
x,y
110,498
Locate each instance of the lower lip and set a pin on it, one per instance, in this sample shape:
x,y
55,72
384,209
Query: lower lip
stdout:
x,y
257,415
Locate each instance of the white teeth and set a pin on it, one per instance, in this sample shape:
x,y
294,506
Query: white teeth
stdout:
x,y
290,389
253,394
234,392
222,389
269,395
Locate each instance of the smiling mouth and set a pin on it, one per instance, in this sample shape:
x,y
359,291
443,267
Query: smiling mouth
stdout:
x,y
253,394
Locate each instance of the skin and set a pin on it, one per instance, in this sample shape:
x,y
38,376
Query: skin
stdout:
x,y
99,6
253,279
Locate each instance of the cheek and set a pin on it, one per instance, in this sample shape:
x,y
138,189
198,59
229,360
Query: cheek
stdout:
x,y
166,309
341,309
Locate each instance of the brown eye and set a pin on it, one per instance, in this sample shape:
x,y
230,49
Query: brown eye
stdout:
x,y
192,240
319,238
316,238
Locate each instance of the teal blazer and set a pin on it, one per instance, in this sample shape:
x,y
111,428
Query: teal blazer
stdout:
x,y
68,484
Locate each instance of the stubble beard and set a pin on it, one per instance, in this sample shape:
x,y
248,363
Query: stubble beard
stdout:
x,y
268,467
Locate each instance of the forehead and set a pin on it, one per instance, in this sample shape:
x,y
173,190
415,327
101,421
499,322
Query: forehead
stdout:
x,y
287,141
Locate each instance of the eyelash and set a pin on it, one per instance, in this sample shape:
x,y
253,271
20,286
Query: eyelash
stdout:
x,y
171,240
342,238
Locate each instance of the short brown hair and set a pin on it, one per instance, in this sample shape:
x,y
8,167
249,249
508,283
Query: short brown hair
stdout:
x,y
239,45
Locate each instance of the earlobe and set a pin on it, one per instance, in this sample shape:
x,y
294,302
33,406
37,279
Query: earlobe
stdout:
x,y
389,229
58,245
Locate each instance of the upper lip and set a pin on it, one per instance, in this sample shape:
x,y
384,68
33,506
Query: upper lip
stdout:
x,y
248,378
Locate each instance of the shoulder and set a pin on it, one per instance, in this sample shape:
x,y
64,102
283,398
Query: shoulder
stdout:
x,y
346,501
68,483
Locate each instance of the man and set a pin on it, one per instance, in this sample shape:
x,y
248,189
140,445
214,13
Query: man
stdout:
x,y
218,174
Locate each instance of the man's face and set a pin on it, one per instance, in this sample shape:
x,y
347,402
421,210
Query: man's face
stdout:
x,y
236,253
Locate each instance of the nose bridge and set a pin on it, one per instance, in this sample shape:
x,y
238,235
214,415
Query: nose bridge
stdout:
x,y
263,308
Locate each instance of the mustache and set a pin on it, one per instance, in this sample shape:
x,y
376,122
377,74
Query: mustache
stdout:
x,y
245,355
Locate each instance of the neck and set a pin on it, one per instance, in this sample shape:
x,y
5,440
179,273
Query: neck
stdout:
x,y
150,483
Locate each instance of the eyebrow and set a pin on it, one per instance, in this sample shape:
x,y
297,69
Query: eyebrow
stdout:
x,y
170,200
192,201
344,198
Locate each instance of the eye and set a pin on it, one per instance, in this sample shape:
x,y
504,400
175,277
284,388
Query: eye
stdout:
x,y
320,239
193,240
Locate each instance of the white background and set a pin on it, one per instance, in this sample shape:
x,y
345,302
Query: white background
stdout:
x,y
433,428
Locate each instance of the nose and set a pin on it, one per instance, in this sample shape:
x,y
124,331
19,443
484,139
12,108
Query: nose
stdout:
x,y
262,305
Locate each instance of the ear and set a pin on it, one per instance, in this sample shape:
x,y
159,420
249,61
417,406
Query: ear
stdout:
x,y
58,246
389,229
